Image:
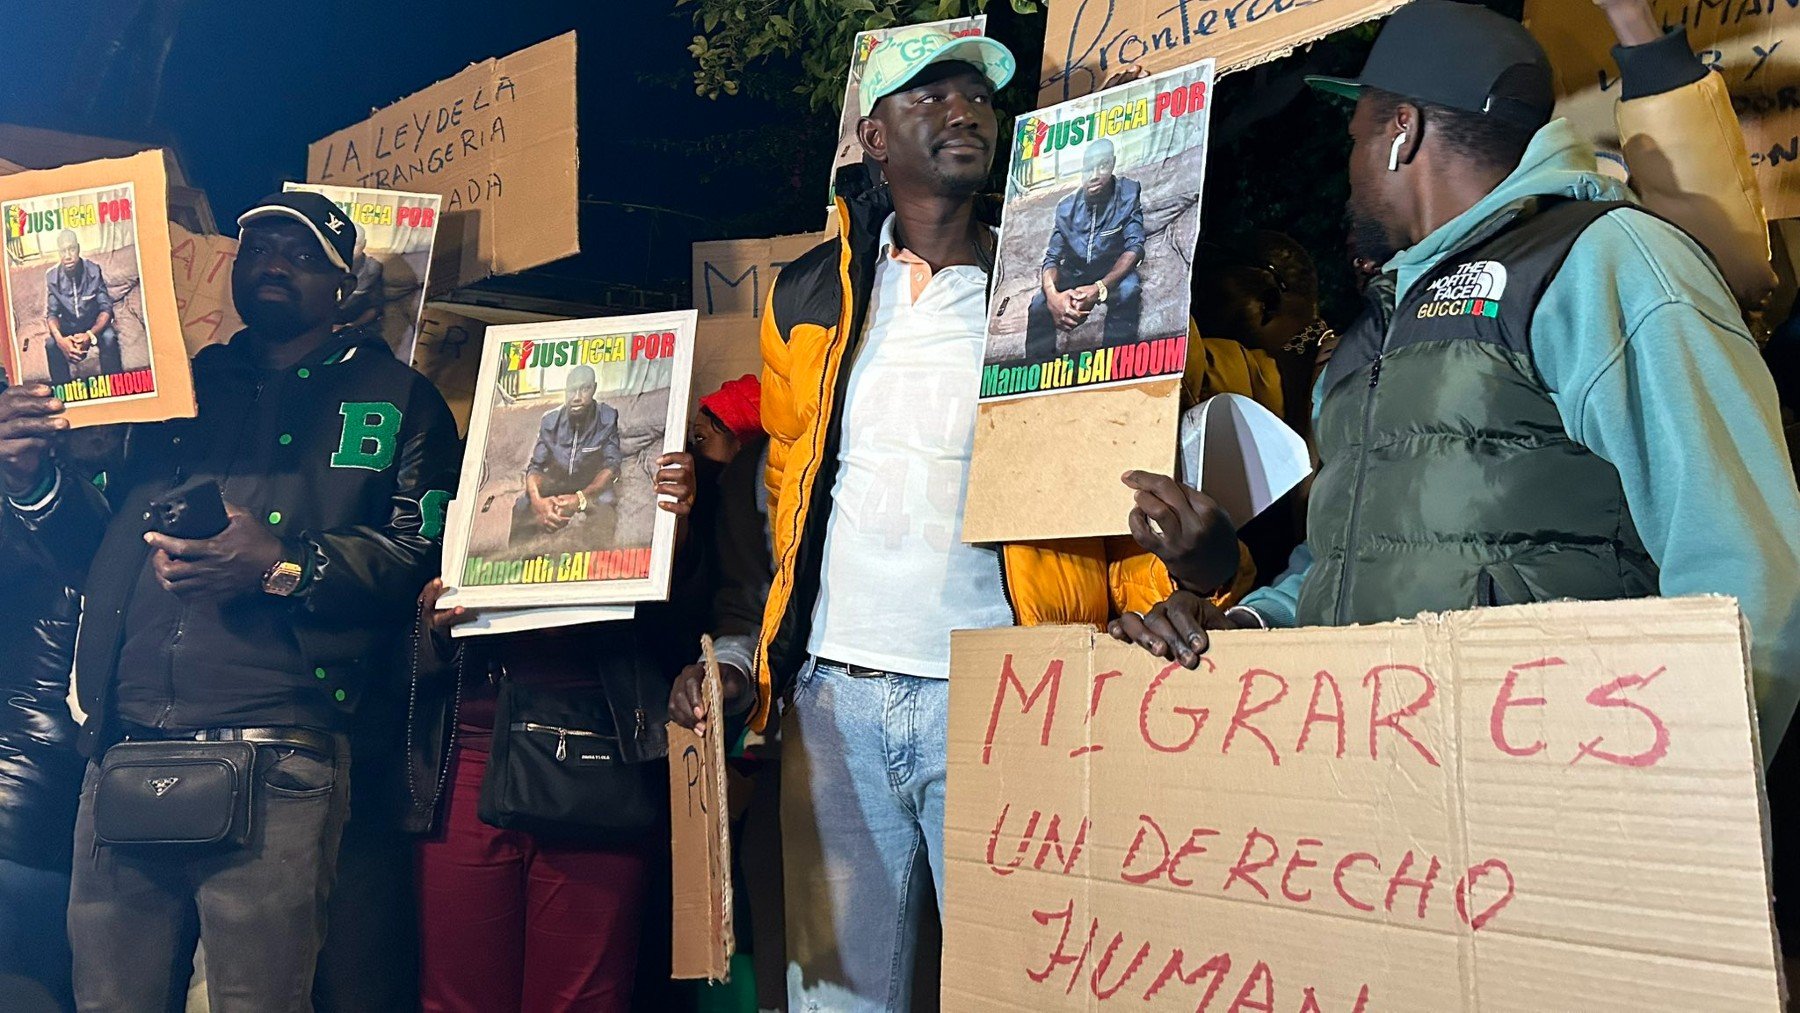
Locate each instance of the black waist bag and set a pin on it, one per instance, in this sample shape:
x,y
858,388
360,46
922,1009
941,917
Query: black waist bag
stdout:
x,y
175,792
556,772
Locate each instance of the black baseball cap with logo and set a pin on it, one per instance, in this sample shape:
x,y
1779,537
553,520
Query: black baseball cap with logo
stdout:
x,y
315,211
1461,56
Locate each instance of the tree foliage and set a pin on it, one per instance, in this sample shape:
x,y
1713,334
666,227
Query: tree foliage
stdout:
x,y
736,35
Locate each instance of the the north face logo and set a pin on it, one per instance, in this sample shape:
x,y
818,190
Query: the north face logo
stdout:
x,y
1481,279
161,785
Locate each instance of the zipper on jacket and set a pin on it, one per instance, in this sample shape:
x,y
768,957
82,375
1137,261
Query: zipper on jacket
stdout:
x,y
1006,585
1478,238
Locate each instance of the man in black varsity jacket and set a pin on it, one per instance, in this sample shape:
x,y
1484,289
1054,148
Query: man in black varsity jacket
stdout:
x,y
335,463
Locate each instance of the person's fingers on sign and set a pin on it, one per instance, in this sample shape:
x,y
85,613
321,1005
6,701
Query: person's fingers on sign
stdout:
x,y
1176,629
687,700
442,620
230,563
675,483
1184,528
29,416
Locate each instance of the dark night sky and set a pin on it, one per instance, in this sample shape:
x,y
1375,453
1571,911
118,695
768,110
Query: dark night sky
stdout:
x,y
249,85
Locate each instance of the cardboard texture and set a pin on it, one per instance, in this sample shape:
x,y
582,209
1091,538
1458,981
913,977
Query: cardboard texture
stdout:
x,y
1087,41
1745,41
1539,808
1026,482
704,938
202,270
732,278
115,302
448,352
497,141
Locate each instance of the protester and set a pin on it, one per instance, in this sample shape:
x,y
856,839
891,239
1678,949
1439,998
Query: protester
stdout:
x,y
79,311
573,466
868,463
1569,342
334,463
546,918
40,771
1092,258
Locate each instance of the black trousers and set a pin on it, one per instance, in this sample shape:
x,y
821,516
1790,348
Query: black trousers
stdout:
x,y
106,346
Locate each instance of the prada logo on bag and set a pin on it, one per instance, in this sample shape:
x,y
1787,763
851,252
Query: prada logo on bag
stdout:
x,y
161,785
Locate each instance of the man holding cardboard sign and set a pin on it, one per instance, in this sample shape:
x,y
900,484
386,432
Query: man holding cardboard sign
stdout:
x,y
1558,401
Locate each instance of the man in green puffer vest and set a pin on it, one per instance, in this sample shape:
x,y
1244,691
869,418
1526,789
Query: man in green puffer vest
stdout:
x,y
1551,395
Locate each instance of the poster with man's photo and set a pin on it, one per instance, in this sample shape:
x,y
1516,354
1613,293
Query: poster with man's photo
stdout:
x,y
1091,283
849,149
394,233
89,292
558,503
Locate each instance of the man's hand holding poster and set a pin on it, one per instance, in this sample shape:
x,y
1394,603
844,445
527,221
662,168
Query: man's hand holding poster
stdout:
x,y
558,502
1096,253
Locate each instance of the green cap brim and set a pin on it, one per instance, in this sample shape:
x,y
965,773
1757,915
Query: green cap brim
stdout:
x,y
1342,87
989,56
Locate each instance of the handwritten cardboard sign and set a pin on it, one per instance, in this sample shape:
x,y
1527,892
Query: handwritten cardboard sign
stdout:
x,y
732,278
1548,807
497,141
202,266
1753,44
701,841
1087,41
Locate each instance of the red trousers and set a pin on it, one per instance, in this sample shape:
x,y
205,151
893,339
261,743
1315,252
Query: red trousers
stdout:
x,y
507,923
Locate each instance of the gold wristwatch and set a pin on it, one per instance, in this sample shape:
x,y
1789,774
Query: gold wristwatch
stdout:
x,y
1102,293
282,579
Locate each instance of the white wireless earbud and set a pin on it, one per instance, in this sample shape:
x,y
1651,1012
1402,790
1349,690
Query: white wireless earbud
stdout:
x,y
1394,153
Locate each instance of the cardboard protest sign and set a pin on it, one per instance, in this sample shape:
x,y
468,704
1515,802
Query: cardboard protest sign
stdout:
x,y
700,840
394,233
1087,41
89,293
558,504
732,278
496,142
1546,807
849,149
202,268
1742,39
448,352
1091,283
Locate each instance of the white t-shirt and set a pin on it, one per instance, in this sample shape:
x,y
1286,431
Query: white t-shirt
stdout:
x,y
896,576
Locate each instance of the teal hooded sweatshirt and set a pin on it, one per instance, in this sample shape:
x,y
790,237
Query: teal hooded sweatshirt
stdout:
x,y
1650,366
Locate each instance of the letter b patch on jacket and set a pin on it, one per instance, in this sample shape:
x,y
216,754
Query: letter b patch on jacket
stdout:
x,y
371,435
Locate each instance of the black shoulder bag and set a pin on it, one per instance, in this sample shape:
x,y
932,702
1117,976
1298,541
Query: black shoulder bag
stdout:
x,y
556,770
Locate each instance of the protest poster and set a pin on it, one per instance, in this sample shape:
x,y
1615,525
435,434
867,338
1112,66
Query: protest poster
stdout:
x,y
732,279
1745,40
700,840
448,352
1088,41
202,266
557,503
1091,281
1511,810
394,233
849,148
496,142
89,293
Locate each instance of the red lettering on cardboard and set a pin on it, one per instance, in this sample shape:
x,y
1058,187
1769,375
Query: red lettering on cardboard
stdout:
x,y
1378,720
1240,718
1322,680
1505,702
1051,682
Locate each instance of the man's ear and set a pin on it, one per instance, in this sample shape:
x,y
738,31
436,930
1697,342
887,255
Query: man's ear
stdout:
x,y
1410,122
873,135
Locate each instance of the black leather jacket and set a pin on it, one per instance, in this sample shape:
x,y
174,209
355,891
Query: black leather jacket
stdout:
x,y
40,771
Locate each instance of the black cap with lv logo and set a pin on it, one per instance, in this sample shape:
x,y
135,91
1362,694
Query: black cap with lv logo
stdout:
x,y
317,212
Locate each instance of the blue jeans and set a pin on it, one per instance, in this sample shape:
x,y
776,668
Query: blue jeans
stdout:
x,y
862,822
34,942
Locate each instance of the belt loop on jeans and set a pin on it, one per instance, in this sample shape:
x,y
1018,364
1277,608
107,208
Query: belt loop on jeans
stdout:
x,y
854,671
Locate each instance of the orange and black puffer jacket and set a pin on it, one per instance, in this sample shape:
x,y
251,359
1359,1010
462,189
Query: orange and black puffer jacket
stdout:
x,y
811,331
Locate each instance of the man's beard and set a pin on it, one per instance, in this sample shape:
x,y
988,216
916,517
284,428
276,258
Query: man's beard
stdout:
x,y
1369,237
